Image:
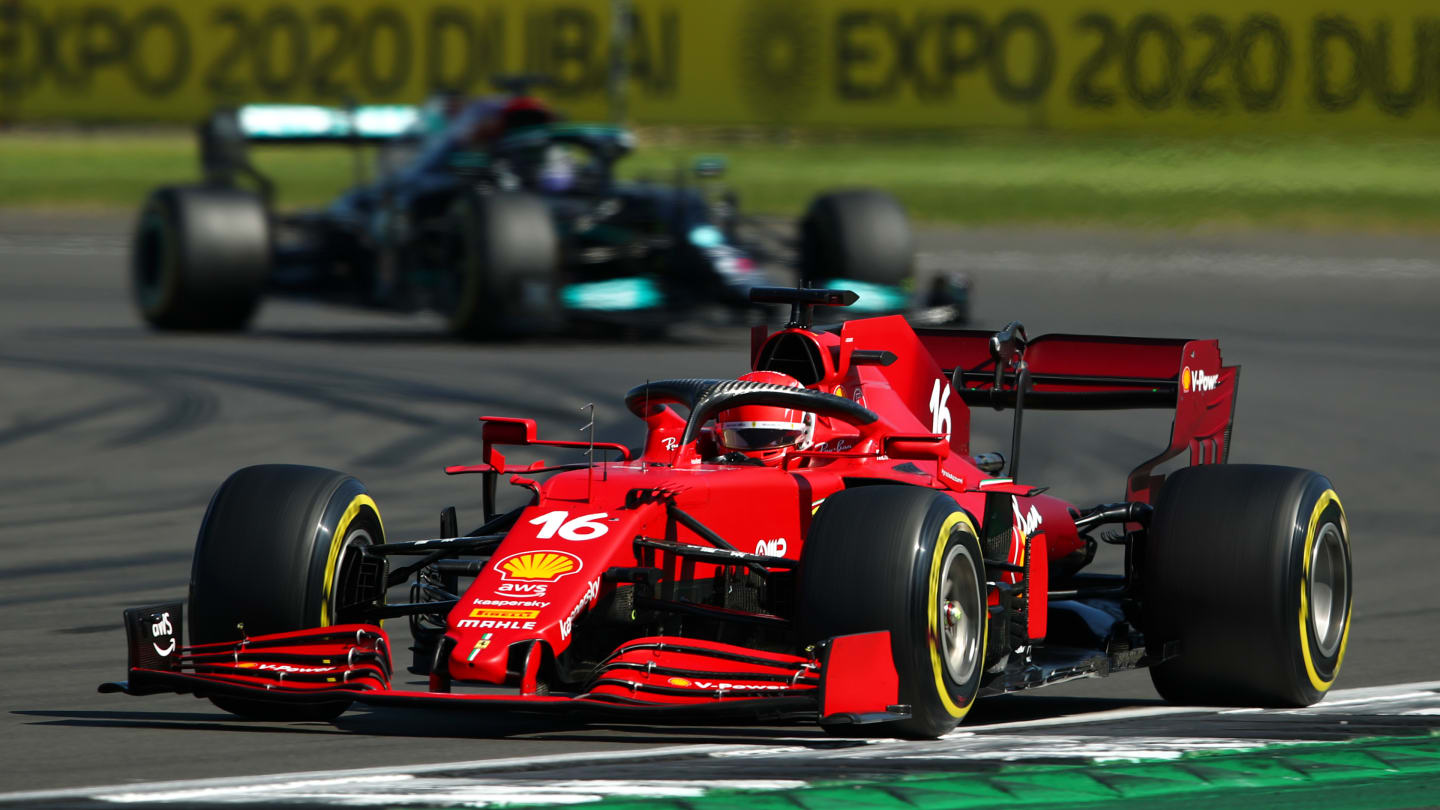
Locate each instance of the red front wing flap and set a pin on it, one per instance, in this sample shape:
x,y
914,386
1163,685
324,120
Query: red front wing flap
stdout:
x,y
678,670
850,681
303,665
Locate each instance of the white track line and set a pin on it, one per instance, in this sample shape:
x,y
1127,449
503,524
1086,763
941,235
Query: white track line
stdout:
x,y
382,771
315,783
373,790
1089,717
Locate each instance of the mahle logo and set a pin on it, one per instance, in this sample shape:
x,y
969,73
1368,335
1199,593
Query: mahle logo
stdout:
x,y
538,566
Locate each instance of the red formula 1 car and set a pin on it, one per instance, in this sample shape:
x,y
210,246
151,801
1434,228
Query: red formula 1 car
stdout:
x,y
816,539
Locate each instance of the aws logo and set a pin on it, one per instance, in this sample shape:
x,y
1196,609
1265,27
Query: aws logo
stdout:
x,y
538,566
1197,380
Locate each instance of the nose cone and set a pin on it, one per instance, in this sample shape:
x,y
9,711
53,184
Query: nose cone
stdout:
x,y
479,657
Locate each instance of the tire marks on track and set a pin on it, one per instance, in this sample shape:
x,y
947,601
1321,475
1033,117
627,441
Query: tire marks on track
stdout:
x,y
178,397
36,428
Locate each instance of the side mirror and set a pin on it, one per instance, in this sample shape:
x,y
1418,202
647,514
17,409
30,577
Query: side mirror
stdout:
x,y
922,447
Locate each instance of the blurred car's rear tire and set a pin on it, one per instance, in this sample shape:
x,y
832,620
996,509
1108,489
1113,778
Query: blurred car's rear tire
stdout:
x,y
906,560
857,234
279,550
1247,567
200,257
504,280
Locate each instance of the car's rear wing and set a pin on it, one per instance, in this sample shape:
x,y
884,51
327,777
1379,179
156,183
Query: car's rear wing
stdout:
x,y
1097,372
226,135
312,124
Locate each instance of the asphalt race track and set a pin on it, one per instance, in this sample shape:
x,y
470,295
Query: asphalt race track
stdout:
x,y
113,437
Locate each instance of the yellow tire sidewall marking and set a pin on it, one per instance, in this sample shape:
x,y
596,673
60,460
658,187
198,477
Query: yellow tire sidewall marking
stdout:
x,y
1321,685
337,539
942,543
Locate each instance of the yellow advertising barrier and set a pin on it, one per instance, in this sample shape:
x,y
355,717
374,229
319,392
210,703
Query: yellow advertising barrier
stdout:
x,y
1126,65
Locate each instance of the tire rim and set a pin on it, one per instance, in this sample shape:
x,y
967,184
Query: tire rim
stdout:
x,y
958,604
1329,589
344,571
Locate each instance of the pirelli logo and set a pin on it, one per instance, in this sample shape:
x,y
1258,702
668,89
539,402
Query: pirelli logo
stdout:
x,y
503,613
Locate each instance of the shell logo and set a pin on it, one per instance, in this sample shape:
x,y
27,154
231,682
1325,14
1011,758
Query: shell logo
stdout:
x,y
538,566
679,682
1197,380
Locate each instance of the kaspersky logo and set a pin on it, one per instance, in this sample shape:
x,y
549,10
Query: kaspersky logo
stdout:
x,y
1197,380
538,566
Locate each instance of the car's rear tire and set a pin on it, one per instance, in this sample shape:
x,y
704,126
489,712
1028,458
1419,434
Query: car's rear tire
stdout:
x,y
856,234
906,560
200,257
277,551
504,280
1248,568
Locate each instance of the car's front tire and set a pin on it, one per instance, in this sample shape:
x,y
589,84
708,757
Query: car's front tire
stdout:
x,y
504,277
856,235
906,560
281,549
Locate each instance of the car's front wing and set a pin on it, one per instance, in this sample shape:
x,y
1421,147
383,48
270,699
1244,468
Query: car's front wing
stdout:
x,y
851,679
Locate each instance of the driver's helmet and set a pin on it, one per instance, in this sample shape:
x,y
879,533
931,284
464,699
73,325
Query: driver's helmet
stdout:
x,y
557,170
765,432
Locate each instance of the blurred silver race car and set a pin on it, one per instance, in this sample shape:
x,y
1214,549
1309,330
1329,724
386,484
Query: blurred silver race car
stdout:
x,y
504,218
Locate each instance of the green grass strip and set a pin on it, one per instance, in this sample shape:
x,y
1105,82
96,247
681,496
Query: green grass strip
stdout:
x,y
1301,182
1310,182
1364,774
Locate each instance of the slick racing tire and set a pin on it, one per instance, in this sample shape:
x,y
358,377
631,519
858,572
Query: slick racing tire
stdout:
x,y
279,550
906,560
200,257
503,279
1247,567
858,234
